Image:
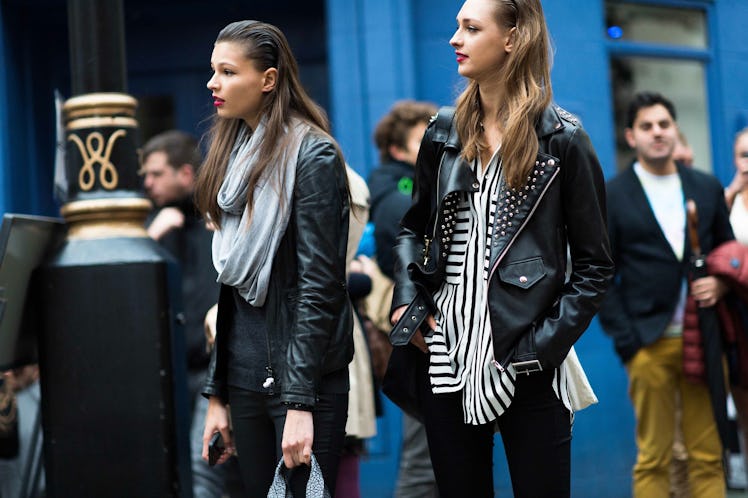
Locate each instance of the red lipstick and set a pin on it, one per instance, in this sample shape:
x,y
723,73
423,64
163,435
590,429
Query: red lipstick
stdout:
x,y
461,57
217,102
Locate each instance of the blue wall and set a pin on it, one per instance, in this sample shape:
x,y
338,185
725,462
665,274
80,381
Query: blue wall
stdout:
x,y
4,152
730,99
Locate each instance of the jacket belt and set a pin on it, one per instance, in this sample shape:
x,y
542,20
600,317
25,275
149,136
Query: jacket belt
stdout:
x,y
411,320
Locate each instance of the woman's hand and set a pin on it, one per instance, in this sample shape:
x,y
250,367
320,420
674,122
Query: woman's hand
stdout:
x,y
217,420
417,340
738,184
298,436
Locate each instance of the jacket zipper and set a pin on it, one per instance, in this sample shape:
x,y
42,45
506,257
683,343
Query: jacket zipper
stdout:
x,y
270,380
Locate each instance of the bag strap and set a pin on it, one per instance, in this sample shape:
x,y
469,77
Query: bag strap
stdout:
x,y
315,486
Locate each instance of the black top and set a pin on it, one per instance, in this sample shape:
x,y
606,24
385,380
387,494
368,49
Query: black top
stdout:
x,y
249,365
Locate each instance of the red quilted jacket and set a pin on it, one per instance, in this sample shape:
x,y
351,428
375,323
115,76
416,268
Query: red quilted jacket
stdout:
x,y
730,262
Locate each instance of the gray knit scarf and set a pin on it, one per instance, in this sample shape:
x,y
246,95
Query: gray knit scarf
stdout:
x,y
244,248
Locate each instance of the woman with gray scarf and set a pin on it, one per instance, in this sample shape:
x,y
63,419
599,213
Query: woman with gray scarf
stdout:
x,y
274,185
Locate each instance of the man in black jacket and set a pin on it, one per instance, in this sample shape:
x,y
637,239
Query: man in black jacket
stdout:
x,y
645,307
398,137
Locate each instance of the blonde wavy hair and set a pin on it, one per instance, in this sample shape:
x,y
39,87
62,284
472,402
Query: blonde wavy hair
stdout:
x,y
526,79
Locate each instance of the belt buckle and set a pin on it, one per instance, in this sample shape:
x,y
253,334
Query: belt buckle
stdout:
x,y
527,367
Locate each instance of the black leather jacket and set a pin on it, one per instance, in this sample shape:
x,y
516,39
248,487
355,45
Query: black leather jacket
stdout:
x,y
308,313
536,311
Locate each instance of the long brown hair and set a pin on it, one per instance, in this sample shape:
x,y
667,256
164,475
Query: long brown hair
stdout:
x,y
526,79
266,46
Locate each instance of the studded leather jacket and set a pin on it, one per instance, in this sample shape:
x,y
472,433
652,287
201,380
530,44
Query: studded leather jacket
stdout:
x,y
537,308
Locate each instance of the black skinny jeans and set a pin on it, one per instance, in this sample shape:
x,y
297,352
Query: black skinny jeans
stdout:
x,y
536,431
258,420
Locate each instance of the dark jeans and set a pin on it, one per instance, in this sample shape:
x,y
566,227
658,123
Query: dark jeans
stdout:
x,y
258,420
536,430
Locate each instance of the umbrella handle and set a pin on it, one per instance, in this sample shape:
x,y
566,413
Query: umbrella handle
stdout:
x,y
692,218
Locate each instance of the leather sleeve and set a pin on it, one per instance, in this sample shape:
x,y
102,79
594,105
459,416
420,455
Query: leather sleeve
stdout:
x,y
320,210
215,378
410,244
214,384
584,213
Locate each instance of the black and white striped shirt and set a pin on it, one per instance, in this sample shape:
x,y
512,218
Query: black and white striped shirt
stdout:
x,y
461,348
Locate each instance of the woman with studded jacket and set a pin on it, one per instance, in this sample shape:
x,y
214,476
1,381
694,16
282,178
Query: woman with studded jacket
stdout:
x,y
504,196
274,185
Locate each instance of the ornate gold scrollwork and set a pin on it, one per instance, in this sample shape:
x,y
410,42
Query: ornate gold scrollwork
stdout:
x,y
93,152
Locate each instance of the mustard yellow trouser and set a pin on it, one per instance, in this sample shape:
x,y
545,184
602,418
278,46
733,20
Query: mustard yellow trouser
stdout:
x,y
655,374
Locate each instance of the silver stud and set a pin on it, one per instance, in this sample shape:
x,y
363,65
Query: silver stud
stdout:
x,y
551,162
523,279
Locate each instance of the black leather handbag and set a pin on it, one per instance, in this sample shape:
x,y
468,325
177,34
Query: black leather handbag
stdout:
x,y
400,382
401,379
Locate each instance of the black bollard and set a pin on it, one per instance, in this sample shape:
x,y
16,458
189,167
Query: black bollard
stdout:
x,y
115,413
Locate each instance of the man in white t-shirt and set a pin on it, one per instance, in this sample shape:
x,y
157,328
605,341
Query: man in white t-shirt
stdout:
x,y
645,307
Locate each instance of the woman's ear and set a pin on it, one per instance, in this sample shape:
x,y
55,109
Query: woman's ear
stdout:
x,y
270,78
510,38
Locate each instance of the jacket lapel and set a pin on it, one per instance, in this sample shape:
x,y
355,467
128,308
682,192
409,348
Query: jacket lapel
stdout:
x,y
455,174
642,210
515,207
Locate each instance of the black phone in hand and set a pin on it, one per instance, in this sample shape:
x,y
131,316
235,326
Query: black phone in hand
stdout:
x,y
215,448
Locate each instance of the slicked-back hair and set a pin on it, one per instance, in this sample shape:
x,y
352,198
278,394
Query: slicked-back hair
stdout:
x,y
266,46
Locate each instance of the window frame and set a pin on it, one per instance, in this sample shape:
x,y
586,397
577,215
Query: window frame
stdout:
x,y
721,157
